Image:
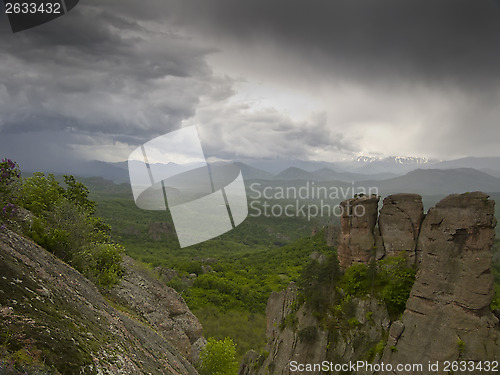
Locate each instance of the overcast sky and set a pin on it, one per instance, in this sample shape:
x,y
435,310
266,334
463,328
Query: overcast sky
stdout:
x,y
317,80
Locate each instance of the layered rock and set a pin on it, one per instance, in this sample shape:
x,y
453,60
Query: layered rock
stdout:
x,y
399,223
447,316
358,239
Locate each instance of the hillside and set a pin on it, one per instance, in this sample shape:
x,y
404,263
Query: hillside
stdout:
x,y
54,320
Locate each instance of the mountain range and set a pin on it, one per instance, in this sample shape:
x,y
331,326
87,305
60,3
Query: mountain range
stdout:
x,y
394,174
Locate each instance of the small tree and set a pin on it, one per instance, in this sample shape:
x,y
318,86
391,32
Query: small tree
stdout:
x,y
218,358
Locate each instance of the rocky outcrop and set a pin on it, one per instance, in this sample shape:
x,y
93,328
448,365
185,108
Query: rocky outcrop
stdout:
x,y
54,320
296,335
358,238
399,223
159,305
447,316
293,335
361,240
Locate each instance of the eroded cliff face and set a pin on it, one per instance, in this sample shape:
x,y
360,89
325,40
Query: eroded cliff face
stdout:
x,y
54,320
399,224
447,315
297,335
358,238
289,339
362,240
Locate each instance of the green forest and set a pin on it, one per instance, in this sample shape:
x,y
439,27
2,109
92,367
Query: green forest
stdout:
x,y
235,272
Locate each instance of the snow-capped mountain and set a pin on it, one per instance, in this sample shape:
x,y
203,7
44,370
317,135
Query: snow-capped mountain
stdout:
x,y
396,159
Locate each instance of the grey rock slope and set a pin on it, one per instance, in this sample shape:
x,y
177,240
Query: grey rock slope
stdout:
x,y
161,307
55,321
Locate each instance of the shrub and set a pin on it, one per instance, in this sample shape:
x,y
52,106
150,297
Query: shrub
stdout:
x,y
102,263
9,187
355,280
397,280
218,358
65,224
290,321
376,350
317,281
353,322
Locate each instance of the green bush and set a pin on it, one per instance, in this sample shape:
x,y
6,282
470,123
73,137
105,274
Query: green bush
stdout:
x,y
396,279
9,186
389,280
376,350
353,322
317,281
102,263
40,194
218,358
65,224
355,281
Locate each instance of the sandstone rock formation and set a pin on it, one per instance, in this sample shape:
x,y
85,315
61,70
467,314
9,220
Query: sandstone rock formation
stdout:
x,y
399,223
447,316
358,239
362,240
293,335
296,335
53,315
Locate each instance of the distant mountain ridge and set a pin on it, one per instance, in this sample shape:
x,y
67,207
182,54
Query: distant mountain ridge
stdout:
x,y
441,181
420,175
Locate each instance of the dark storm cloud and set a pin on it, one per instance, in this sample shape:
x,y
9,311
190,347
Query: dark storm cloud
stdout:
x,y
455,41
429,71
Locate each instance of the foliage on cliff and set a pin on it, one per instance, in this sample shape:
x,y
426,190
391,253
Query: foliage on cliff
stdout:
x,y
322,285
61,218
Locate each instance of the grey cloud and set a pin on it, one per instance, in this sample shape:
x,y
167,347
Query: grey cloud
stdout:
x,y
101,71
128,71
426,40
266,133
